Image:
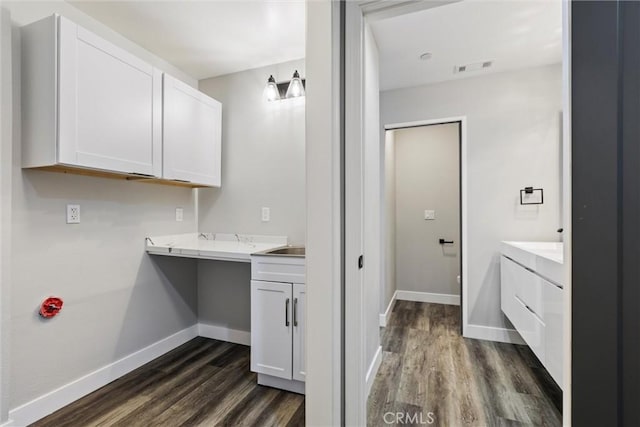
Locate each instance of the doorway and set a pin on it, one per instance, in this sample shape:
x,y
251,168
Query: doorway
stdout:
x,y
423,205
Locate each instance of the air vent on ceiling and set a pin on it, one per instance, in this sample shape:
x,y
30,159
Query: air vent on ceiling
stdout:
x,y
476,66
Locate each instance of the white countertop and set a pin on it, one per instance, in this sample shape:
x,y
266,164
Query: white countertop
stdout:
x,y
545,258
215,246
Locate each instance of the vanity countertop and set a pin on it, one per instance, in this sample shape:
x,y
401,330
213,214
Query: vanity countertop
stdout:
x,y
544,258
215,246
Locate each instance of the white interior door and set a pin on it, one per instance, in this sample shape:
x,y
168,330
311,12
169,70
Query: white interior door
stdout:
x,y
271,328
192,134
299,331
355,328
109,105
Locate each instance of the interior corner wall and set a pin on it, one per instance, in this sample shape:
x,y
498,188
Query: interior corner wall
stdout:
x,y
117,298
513,141
389,221
263,157
372,197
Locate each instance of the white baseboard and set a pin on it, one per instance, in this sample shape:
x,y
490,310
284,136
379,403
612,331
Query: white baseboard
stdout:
x,y
224,334
373,369
48,403
490,333
447,299
384,317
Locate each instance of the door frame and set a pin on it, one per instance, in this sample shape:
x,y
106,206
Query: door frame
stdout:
x,y
462,155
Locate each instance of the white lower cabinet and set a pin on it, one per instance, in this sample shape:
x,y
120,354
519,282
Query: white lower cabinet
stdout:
x,y
534,306
271,329
277,334
299,310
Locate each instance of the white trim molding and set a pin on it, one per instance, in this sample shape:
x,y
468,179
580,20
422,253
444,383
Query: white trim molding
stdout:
x,y
221,333
447,299
384,317
373,369
46,404
490,333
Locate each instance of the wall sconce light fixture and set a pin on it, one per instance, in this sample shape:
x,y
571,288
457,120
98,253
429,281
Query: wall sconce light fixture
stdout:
x,y
283,90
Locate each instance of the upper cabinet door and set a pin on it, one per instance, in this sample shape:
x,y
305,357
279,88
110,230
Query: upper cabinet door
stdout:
x,y
109,106
191,135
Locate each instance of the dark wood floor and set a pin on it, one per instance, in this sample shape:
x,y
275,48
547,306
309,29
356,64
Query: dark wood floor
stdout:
x,y
202,383
427,367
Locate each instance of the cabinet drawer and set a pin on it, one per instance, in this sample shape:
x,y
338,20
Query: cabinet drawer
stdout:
x,y
508,279
526,285
531,328
553,318
278,269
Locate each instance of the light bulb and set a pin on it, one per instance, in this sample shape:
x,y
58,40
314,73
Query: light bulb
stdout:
x,y
271,92
296,88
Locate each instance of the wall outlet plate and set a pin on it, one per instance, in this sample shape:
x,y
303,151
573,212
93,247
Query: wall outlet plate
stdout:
x,y
179,214
73,214
266,214
429,215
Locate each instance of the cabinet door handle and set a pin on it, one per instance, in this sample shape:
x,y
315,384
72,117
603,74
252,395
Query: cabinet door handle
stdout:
x,y
286,313
295,312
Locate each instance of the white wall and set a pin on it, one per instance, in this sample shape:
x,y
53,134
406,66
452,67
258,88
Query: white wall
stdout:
x,y
6,128
324,255
118,299
427,176
513,141
388,287
372,225
263,157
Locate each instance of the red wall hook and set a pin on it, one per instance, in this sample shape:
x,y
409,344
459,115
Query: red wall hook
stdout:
x,y
50,307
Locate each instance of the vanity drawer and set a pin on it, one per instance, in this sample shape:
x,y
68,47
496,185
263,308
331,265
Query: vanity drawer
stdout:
x,y
527,285
531,328
553,319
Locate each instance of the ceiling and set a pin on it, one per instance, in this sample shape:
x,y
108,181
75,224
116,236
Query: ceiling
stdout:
x,y
209,38
512,34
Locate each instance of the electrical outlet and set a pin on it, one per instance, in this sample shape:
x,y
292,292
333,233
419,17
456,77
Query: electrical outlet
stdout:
x,y
73,214
266,214
179,214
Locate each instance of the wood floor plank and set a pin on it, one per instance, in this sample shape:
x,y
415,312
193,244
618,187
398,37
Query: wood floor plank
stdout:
x,y
428,367
383,392
201,383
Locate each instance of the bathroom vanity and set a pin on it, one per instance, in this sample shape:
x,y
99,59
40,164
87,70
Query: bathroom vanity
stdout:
x,y
278,312
531,277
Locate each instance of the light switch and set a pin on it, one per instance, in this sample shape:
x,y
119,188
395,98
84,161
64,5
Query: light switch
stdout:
x,y
429,215
179,214
266,214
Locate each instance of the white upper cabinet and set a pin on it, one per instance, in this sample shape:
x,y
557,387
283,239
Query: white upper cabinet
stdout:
x,y
192,124
88,103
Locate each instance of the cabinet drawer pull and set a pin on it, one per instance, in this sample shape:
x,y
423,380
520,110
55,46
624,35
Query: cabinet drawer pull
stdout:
x,y
295,312
286,313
